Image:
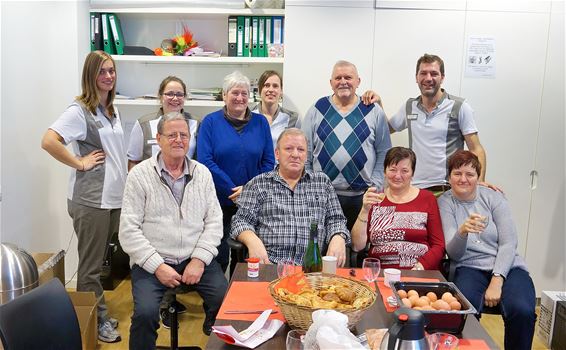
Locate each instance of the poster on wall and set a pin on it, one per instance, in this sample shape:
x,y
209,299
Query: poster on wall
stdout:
x,y
480,58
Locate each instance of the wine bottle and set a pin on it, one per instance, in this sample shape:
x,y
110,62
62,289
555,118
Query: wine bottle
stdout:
x,y
312,261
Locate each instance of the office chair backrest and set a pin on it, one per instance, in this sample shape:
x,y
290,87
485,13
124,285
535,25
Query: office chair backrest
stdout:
x,y
43,318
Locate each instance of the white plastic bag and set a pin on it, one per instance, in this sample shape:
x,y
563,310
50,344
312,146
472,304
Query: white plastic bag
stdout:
x,y
329,331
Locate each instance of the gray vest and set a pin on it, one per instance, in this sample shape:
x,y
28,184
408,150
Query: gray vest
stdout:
x,y
89,184
452,123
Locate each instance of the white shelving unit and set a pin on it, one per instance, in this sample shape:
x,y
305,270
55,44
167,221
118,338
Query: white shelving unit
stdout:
x,y
155,103
148,26
193,11
198,60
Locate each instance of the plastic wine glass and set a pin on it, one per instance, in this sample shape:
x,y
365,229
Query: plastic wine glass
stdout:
x,y
294,340
371,267
476,235
285,268
380,191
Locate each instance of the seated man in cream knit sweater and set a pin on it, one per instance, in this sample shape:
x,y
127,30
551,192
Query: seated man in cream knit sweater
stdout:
x,y
171,225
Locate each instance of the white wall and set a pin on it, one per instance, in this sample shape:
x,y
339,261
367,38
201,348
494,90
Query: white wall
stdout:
x,y
546,236
522,107
43,46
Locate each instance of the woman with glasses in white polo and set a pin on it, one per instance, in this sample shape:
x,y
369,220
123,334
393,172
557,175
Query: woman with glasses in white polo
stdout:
x,y
143,145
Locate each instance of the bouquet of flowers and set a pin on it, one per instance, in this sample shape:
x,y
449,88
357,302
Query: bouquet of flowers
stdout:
x,y
180,45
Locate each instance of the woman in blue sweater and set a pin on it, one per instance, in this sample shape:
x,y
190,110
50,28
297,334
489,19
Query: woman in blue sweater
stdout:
x,y
235,145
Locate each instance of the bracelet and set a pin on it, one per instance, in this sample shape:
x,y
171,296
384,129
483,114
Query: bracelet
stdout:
x,y
362,220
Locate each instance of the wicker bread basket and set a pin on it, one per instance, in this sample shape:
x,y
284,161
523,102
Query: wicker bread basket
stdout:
x,y
301,316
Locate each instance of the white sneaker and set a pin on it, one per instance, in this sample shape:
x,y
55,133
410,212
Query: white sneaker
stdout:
x,y
107,333
114,322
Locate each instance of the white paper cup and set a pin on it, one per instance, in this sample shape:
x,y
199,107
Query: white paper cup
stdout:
x,y
391,275
329,264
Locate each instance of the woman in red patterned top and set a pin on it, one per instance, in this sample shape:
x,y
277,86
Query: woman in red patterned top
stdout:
x,y
401,225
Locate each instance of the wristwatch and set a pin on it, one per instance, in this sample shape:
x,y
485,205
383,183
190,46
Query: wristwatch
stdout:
x,y
498,275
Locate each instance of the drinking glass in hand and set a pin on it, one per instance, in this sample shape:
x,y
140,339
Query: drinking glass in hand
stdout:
x,y
482,221
295,339
371,267
285,268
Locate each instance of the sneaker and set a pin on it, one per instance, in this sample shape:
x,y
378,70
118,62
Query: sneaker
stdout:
x,y
181,309
107,333
114,322
166,318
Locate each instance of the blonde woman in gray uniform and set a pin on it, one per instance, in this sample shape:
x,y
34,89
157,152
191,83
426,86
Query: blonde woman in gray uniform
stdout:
x,y
92,126
271,91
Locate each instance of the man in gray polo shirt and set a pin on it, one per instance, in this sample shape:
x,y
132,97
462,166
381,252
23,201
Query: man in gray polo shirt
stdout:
x,y
439,124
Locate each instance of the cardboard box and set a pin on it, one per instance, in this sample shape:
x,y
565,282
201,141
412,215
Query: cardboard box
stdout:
x,y
558,335
85,307
57,270
547,316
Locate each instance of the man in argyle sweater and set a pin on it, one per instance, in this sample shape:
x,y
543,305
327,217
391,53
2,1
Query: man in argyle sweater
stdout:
x,y
347,140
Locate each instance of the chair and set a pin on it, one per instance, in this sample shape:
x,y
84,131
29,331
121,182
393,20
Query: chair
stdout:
x,y
238,253
43,318
174,319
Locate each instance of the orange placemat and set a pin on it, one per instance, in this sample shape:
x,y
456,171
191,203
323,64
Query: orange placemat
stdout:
x,y
248,296
383,290
472,344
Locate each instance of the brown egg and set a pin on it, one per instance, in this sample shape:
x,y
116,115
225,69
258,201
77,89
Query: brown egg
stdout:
x,y
440,305
413,299
402,294
422,301
432,296
417,308
412,292
406,302
448,297
428,307
455,305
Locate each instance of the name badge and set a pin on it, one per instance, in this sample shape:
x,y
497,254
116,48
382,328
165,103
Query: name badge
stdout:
x,y
412,116
98,124
152,142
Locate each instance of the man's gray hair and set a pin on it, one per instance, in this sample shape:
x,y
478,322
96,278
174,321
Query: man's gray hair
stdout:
x,y
235,79
344,63
291,131
170,117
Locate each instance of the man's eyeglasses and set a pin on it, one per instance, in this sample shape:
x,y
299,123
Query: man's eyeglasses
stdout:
x,y
172,94
174,135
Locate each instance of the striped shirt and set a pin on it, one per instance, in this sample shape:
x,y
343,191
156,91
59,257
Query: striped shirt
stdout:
x,y
281,217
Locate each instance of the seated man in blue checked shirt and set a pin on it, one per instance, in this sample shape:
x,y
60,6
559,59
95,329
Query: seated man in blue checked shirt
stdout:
x,y
276,208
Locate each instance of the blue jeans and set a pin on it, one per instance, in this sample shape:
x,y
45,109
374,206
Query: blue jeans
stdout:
x,y
148,292
517,303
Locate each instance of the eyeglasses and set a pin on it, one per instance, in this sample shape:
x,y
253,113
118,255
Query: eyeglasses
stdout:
x,y
172,94
174,135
